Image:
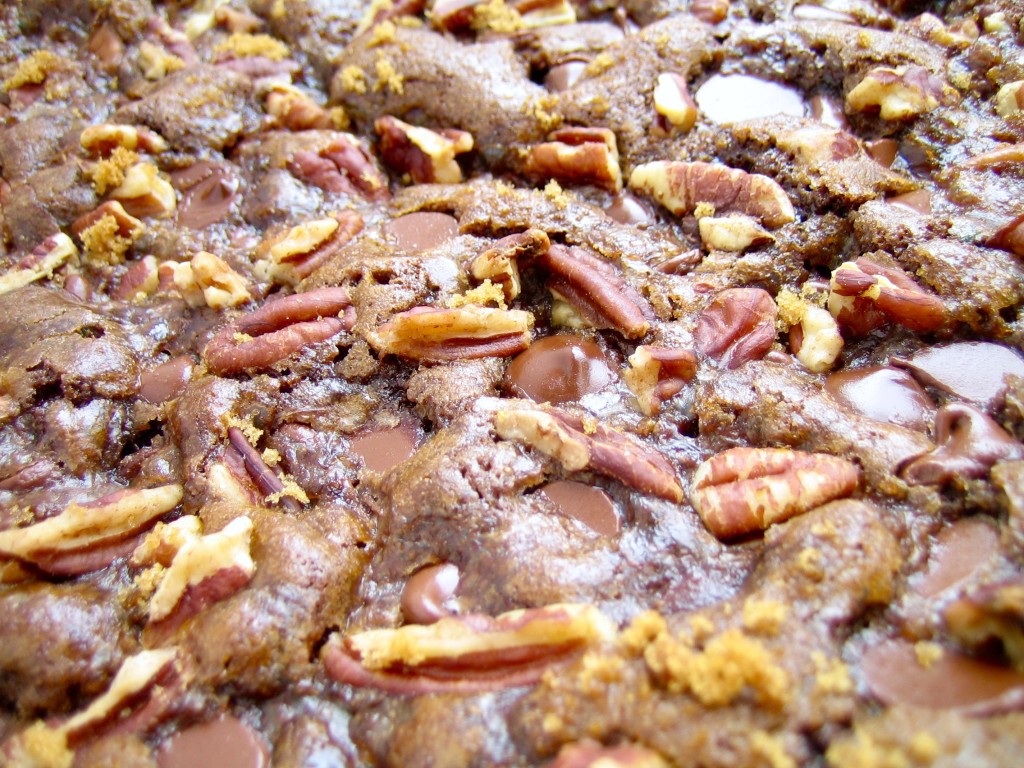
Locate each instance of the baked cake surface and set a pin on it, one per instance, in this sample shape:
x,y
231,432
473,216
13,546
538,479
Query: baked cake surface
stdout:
x,y
522,382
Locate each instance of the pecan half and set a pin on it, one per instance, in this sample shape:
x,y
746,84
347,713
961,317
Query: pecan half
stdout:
x,y
900,93
865,294
127,226
597,290
343,166
500,262
672,101
577,446
748,489
577,156
428,156
969,442
680,187
290,257
278,330
463,333
45,259
657,373
81,528
737,326
105,138
265,479
466,653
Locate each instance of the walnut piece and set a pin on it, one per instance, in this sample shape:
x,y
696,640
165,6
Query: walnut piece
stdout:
x,y
1010,99
657,373
734,233
900,93
743,490
577,156
434,333
144,192
291,256
103,139
426,155
737,326
673,102
45,259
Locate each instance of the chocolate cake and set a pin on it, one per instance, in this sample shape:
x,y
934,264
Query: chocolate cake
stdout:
x,y
511,382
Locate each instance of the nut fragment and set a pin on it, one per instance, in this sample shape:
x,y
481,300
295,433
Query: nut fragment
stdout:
x,y
265,479
900,93
734,233
748,489
278,330
577,156
1010,99
500,262
466,653
45,259
1003,155
865,294
680,187
428,156
658,373
673,102
139,281
295,254
145,193
815,339
596,290
105,138
222,287
576,446
710,11
994,613
343,166
737,326
433,333
295,110
126,225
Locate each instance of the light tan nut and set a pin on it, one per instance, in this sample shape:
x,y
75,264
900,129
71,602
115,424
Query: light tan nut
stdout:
x,y
144,192
222,287
344,166
737,326
45,259
139,281
818,146
745,490
103,139
166,540
125,225
900,93
426,155
83,526
156,61
864,295
815,339
577,446
596,290
1010,99
681,187
467,653
295,110
293,255
577,156
500,262
177,276
657,373
734,233
673,102
710,11
433,333
204,560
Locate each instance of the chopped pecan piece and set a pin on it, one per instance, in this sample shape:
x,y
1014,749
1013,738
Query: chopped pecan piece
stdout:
x,y
293,255
1010,99
577,156
144,192
127,226
463,333
672,101
900,93
657,373
294,110
734,233
991,613
597,290
500,262
737,326
219,284
744,490
278,330
466,653
45,259
865,294
343,166
680,187
814,335
139,281
428,156
165,540
604,450
80,528
105,138
269,484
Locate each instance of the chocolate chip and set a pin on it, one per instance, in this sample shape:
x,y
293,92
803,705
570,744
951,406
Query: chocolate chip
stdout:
x,y
825,110
627,208
225,742
883,151
422,230
975,371
730,98
207,192
561,77
382,449
558,369
885,394
165,381
958,552
429,594
591,506
918,201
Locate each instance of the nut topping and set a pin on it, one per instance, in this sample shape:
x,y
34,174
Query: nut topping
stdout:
x,y
734,233
737,326
278,330
463,333
604,450
657,373
680,187
1010,99
673,102
901,93
710,11
865,294
265,479
748,489
219,284
466,653
596,290
577,156
500,262
45,259
813,336
294,110
105,138
145,193
428,156
1010,237
343,166
289,258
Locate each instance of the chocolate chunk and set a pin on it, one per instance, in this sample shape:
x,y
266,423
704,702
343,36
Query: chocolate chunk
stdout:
x,y
422,230
384,448
559,369
885,394
974,371
591,506
429,594
226,742
731,98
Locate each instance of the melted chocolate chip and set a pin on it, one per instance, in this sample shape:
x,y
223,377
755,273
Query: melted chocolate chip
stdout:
x,y
825,110
958,552
969,370
883,151
166,381
884,394
730,98
225,743
919,201
429,594
561,77
384,448
952,681
591,506
558,369
627,208
422,230
207,192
